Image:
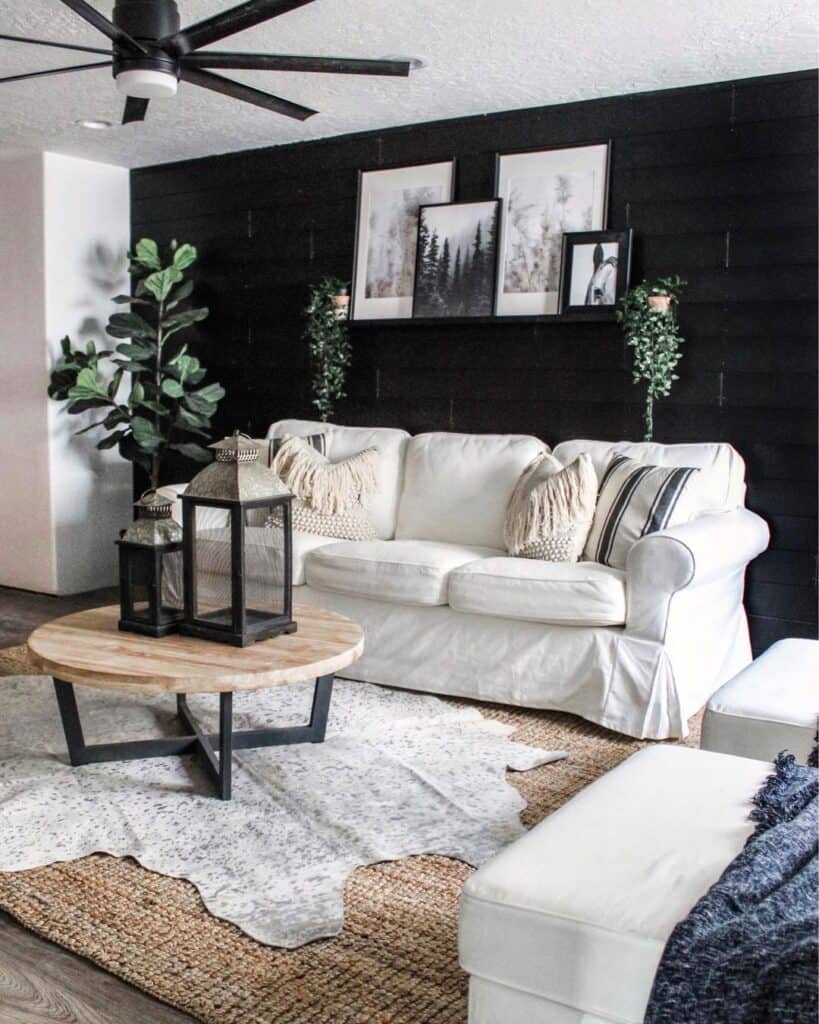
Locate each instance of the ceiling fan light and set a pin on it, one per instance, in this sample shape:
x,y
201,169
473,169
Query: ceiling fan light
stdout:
x,y
147,84
95,124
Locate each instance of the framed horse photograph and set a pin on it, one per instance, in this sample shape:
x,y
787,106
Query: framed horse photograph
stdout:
x,y
594,270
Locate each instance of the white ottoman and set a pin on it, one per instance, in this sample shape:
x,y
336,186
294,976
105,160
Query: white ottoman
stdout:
x,y
568,924
771,705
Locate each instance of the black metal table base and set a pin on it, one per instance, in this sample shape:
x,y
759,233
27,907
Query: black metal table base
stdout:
x,y
214,750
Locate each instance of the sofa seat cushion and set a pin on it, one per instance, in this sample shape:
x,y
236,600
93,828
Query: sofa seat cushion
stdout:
x,y
586,901
564,593
402,571
772,705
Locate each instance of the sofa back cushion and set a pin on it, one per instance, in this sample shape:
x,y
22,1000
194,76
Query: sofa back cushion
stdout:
x,y
721,481
342,442
457,486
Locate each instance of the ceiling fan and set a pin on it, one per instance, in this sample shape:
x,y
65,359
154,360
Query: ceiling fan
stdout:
x,y
151,53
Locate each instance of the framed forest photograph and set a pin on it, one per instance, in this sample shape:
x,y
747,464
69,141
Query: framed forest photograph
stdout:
x,y
387,234
545,193
596,267
456,262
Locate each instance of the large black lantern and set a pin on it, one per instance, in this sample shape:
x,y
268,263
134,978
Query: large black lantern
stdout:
x,y
238,549
150,569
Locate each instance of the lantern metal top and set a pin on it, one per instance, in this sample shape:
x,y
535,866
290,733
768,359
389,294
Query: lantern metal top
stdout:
x,y
153,505
238,448
236,474
154,526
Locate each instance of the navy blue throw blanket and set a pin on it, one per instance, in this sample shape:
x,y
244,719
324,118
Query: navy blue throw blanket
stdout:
x,y
747,952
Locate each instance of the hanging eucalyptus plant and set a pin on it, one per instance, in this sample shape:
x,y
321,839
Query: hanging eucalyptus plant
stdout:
x,y
648,315
165,406
330,349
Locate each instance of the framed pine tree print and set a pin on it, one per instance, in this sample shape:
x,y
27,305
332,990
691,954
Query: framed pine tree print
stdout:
x,y
456,262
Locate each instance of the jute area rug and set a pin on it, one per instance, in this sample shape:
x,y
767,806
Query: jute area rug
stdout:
x,y
395,961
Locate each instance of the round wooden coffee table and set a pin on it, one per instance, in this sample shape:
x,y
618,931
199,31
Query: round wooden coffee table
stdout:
x,y
88,649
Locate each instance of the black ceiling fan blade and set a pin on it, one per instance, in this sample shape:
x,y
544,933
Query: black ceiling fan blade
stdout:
x,y
229,22
286,62
238,91
60,46
102,24
56,71
135,110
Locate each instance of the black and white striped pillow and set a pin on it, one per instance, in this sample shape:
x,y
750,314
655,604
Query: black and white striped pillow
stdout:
x,y
270,446
635,499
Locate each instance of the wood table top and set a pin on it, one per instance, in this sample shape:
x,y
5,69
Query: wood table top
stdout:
x,y
88,648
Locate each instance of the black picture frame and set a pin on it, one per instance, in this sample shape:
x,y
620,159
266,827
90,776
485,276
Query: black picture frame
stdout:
x,y
571,267
450,307
357,302
532,150
504,307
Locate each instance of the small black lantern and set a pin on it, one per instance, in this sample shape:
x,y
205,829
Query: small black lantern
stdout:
x,y
150,569
238,549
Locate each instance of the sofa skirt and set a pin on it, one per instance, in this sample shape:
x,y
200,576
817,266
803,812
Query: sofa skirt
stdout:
x,y
622,682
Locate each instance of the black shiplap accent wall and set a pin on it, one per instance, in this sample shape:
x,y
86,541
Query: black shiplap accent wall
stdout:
x,y
719,184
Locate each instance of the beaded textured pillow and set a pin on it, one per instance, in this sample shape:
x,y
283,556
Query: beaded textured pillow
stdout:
x,y
354,524
329,496
551,509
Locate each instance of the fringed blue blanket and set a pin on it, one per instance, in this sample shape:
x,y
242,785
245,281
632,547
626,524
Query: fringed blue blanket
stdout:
x,y
747,952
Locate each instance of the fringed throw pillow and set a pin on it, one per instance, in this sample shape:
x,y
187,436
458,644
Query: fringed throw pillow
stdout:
x,y
551,509
329,496
636,499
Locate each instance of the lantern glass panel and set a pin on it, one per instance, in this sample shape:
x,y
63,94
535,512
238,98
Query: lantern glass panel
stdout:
x,y
172,587
213,566
140,599
265,562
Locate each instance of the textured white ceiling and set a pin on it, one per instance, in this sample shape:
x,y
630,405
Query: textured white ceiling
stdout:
x,y
483,55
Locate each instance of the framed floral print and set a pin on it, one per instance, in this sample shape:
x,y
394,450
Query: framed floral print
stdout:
x,y
545,193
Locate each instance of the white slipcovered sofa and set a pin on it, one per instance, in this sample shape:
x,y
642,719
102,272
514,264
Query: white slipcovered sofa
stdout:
x,y
445,610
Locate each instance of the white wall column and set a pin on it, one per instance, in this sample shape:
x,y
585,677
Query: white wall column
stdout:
x,y
64,230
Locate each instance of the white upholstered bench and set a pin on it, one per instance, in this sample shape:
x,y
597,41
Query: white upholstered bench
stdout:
x,y
771,705
568,924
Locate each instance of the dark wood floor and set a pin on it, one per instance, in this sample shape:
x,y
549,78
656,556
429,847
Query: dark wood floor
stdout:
x,y
21,611
40,983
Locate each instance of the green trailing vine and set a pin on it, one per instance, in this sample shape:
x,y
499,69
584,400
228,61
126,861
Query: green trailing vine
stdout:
x,y
653,332
152,392
330,349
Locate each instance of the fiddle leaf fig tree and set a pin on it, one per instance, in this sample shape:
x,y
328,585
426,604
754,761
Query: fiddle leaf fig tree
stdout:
x,y
163,405
648,316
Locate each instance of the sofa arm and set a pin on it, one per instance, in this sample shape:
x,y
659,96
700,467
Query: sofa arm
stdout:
x,y
715,546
